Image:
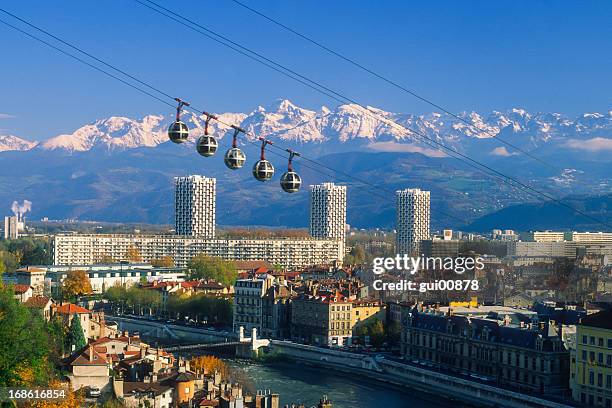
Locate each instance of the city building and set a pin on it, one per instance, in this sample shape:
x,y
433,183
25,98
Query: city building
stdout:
x,y
31,276
591,368
440,248
249,302
412,221
48,279
194,211
549,236
328,212
562,249
290,253
505,235
11,227
501,347
322,320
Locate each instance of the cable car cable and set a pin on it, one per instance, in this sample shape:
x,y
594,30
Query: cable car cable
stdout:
x,y
391,82
473,163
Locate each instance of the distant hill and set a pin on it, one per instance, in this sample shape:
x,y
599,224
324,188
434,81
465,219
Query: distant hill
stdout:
x,y
120,169
550,216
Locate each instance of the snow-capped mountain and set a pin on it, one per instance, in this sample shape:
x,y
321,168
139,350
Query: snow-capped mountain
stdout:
x,y
350,126
13,143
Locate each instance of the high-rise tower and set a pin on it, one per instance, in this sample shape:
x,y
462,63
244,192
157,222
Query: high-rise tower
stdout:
x,y
194,210
328,212
412,222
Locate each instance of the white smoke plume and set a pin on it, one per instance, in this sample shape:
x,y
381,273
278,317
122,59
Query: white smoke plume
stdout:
x,y
20,209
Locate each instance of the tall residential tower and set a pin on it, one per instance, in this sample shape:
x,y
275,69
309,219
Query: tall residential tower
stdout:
x,y
328,212
412,222
194,211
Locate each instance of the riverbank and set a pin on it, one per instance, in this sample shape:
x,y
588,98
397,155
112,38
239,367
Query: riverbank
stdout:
x,y
307,383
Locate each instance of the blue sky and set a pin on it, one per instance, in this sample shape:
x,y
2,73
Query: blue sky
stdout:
x,y
470,55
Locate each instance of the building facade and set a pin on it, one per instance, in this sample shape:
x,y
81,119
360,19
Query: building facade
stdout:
x,y
560,249
249,302
89,249
591,370
328,212
412,220
518,355
322,320
194,206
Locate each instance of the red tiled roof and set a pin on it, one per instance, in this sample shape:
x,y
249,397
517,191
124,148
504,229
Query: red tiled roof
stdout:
x,y
37,301
21,289
71,308
83,357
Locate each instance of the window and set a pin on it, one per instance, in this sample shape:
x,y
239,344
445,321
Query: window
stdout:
x,y
592,340
599,379
584,339
591,378
584,355
600,342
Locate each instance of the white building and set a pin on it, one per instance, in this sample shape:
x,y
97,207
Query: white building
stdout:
x,y
328,212
538,249
413,219
89,249
194,211
11,227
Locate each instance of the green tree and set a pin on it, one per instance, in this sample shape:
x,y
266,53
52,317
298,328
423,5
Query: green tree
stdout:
x,y
24,343
208,267
376,333
76,338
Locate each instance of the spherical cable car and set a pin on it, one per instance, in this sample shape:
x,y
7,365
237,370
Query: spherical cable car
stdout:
x,y
291,181
234,157
178,132
263,170
207,144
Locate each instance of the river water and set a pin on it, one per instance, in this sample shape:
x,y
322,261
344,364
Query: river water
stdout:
x,y
298,383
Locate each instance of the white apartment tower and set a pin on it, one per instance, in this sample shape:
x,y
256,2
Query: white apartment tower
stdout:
x,y
328,212
194,210
412,222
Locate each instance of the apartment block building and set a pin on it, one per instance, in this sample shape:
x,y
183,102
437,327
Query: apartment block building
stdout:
x,y
88,249
194,206
412,220
328,212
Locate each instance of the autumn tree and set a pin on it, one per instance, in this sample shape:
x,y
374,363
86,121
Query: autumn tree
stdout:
x,y
209,267
209,365
163,262
76,284
72,398
133,254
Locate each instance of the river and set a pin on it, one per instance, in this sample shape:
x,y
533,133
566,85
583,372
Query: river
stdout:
x,y
298,383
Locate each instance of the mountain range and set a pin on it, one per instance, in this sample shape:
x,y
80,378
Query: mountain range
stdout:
x,y
120,169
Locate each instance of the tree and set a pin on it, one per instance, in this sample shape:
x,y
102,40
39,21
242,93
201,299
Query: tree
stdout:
x,y
377,333
133,254
163,262
76,284
209,267
24,343
76,338
209,365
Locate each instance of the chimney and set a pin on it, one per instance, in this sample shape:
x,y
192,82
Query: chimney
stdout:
x,y
91,353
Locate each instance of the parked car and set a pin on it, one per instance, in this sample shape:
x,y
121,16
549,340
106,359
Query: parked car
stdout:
x,y
94,392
